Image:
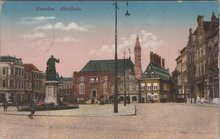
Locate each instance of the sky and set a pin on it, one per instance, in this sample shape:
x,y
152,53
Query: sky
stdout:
x,y
76,32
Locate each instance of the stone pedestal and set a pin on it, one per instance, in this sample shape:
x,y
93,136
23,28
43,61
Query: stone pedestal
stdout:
x,y
51,90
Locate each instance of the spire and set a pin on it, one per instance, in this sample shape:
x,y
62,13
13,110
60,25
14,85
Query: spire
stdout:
x,y
190,35
137,43
129,51
214,18
190,31
213,13
137,57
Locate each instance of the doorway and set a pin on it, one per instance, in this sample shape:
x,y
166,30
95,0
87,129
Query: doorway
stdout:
x,y
94,94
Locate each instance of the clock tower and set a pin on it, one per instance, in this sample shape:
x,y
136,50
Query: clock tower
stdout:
x,y
137,59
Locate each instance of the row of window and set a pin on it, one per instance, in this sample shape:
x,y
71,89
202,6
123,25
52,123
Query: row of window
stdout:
x,y
19,72
151,74
93,79
65,93
29,76
82,88
20,84
129,87
155,96
13,71
66,86
152,96
150,86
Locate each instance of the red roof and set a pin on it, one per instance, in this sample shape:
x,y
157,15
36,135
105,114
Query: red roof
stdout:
x,y
30,68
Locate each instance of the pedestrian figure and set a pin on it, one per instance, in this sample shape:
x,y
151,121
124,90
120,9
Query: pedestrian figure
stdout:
x,y
5,104
32,108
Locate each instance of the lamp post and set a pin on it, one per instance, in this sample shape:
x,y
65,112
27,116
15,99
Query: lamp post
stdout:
x,y
1,4
125,97
116,61
116,56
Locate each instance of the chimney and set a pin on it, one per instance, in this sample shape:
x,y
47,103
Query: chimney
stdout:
x,y
151,57
163,63
155,58
160,61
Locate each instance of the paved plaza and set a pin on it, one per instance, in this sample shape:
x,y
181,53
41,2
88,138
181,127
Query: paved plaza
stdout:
x,y
135,121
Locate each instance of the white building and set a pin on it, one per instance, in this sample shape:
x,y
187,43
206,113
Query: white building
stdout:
x,y
11,79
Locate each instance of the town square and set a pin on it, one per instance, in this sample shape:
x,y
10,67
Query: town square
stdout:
x,y
154,121
109,69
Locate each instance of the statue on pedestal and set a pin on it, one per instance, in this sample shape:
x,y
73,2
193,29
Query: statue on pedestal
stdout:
x,y
51,68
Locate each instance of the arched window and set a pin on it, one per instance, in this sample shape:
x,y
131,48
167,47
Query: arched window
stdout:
x,y
105,87
82,88
146,73
152,74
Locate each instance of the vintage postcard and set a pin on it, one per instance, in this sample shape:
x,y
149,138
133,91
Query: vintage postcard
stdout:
x,y
109,69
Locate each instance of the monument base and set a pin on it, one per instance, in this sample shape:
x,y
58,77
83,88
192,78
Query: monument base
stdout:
x,y
51,90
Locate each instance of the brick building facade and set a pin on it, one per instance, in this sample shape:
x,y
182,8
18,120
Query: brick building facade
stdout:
x,y
33,83
95,82
19,82
202,60
156,81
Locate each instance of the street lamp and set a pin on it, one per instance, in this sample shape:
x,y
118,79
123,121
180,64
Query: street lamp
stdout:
x,y
116,61
116,57
127,13
1,4
125,97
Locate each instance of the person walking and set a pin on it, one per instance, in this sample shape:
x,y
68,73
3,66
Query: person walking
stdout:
x,y
5,104
32,108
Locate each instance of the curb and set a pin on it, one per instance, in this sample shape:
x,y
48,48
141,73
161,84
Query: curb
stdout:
x,y
71,115
131,112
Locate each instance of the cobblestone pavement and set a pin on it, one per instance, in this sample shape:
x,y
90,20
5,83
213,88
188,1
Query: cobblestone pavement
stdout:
x,y
152,121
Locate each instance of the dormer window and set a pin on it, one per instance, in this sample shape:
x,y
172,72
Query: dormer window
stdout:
x,y
146,73
152,73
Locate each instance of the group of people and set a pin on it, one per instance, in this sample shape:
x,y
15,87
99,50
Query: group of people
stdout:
x,y
32,107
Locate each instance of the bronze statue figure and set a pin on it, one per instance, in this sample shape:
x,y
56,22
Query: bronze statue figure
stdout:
x,y
51,68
